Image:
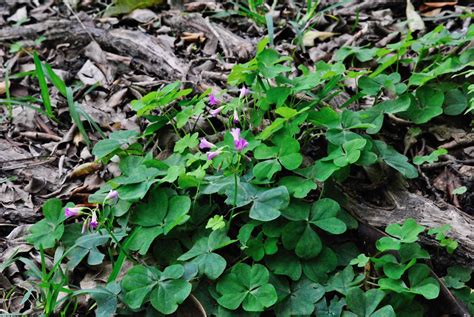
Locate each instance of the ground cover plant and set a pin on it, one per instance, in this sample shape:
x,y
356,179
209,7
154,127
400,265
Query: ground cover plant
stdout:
x,y
242,211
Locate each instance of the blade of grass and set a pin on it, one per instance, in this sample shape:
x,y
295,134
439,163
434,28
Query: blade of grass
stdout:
x,y
76,118
43,86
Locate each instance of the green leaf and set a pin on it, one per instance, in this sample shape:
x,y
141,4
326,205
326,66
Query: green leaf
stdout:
x,y
46,99
455,102
429,105
187,142
209,263
323,215
159,215
420,283
360,261
343,281
365,304
166,290
431,158
300,299
333,310
285,263
126,6
247,286
317,268
407,233
266,169
114,143
47,231
87,245
268,204
396,160
106,299
299,236
298,187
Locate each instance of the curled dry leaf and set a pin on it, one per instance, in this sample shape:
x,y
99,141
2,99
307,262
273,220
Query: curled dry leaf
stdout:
x,y
85,169
310,36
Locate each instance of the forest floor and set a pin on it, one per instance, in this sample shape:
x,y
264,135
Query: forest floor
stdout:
x,y
108,61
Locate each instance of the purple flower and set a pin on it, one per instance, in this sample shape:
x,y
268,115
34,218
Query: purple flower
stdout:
x,y
241,144
93,224
244,91
213,101
213,154
236,116
235,132
72,212
205,144
113,196
215,112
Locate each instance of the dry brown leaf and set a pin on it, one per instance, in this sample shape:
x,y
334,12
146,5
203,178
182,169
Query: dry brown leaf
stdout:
x,y
439,4
85,169
193,37
431,13
310,36
3,87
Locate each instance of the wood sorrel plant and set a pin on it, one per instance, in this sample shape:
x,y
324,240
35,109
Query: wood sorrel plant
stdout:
x,y
237,215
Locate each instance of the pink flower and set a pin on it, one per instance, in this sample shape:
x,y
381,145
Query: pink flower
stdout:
x,y
236,116
205,144
113,196
213,101
244,91
72,212
93,224
235,132
215,112
213,154
241,144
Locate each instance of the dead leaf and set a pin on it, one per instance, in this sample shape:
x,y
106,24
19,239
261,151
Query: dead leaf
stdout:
x,y
90,74
193,37
310,36
85,169
141,15
415,22
20,15
3,87
439,4
431,13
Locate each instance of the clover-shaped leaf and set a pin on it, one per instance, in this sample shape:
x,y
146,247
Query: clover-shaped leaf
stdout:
x,y
209,263
323,215
343,281
365,304
159,215
406,233
300,299
268,204
165,290
47,231
334,309
298,187
419,280
247,286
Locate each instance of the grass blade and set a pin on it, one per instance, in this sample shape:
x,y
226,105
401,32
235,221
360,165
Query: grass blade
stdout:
x,y
43,86
76,118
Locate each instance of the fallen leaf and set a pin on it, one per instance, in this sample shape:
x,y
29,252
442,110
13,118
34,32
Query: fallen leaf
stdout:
x,y
3,87
20,15
141,15
310,36
440,4
90,74
193,37
431,13
85,169
415,22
